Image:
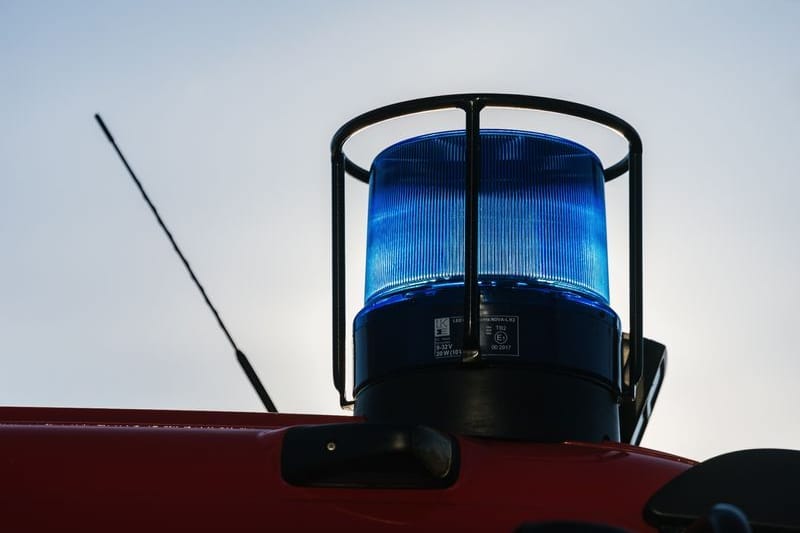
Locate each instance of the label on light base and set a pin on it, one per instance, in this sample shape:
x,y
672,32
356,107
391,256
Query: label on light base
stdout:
x,y
499,336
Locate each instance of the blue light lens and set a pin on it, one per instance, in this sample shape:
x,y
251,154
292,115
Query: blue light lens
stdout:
x,y
541,214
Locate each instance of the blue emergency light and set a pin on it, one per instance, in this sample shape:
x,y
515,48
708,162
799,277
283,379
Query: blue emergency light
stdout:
x,y
541,214
486,294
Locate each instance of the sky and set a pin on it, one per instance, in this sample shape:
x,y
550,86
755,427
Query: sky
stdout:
x,y
226,112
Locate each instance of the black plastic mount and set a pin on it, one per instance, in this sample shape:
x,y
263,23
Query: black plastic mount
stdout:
x,y
764,484
540,403
634,415
555,377
374,456
472,104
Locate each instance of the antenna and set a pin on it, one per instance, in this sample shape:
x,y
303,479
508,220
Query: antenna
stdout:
x,y
240,356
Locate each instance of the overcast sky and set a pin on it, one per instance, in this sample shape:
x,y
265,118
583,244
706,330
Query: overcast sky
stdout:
x,y
226,112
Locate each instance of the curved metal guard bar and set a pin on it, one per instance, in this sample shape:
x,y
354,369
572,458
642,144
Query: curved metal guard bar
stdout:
x,y
471,347
472,104
462,101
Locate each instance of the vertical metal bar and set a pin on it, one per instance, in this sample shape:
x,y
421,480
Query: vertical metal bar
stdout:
x,y
635,236
338,270
471,349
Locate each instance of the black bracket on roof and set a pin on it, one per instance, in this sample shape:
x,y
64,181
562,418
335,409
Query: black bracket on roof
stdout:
x,y
764,484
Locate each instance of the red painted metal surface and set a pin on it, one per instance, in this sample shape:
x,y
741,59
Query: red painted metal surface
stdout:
x,y
115,470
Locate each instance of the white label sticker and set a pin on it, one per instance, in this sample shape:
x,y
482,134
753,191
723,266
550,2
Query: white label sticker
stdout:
x,y
499,336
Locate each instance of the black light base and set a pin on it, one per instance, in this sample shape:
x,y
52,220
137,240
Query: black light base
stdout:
x,y
504,401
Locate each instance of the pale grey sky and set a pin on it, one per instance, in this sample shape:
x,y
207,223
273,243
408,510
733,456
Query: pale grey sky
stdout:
x,y
226,112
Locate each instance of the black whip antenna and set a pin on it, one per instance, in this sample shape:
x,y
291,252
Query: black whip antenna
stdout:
x,y
240,356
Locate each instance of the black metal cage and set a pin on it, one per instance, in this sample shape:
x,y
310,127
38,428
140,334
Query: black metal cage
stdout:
x,y
472,105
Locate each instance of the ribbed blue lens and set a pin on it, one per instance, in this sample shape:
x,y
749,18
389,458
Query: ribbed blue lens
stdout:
x,y
541,204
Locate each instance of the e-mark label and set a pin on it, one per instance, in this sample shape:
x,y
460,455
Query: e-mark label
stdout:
x,y
499,336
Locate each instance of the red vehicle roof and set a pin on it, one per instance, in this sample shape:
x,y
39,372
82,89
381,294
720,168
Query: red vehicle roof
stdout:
x,y
125,470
